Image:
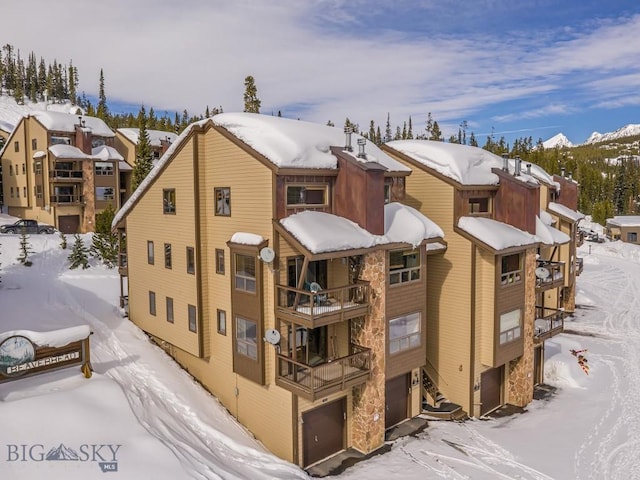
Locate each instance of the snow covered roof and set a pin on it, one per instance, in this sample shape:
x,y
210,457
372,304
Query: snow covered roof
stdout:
x,y
497,235
322,232
297,144
104,152
39,154
67,151
550,235
133,134
244,238
624,220
65,122
566,212
124,166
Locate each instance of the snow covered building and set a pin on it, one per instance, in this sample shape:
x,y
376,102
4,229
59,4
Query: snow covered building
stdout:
x,y
489,312
623,227
61,169
274,259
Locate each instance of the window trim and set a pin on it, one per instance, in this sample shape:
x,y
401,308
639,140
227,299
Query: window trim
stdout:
x,y
169,309
324,187
169,201
514,330
221,322
479,202
152,303
409,338
245,279
220,191
510,277
244,341
191,260
192,318
150,253
220,261
167,256
399,276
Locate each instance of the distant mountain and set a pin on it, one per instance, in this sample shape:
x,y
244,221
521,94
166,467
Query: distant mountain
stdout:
x,y
557,141
630,130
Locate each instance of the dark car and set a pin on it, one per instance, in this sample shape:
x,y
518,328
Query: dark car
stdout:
x,y
26,226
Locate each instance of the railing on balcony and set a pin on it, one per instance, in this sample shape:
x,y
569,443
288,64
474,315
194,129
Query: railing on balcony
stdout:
x,y
317,308
551,276
122,264
66,198
66,174
312,382
579,238
549,325
579,265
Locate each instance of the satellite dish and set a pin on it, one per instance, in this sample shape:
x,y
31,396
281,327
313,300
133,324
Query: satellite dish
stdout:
x,y
272,336
267,255
542,273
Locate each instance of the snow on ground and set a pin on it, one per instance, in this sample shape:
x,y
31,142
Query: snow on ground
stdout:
x,y
167,426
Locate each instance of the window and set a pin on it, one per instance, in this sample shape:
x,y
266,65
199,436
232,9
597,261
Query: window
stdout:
x,y
245,273
222,322
387,193
247,338
11,192
404,333
10,170
34,144
167,255
404,266
632,237
510,326
16,146
60,141
169,309
105,193
152,303
17,171
37,167
479,205
511,269
37,190
24,192
150,259
220,261
97,142
223,201
193,324
306,195
24,168
104,169
191,260
169,200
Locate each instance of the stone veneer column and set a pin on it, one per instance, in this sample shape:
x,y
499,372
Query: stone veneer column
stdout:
x,y
88,196
367,420
569,297
520,381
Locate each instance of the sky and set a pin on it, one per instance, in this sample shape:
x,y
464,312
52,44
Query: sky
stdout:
x,y
153,421
514,69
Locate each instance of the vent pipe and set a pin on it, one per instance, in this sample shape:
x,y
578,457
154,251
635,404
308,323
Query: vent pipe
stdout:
x,y
570,176
505,162
347,143
361,143
528,169
562,171
518,168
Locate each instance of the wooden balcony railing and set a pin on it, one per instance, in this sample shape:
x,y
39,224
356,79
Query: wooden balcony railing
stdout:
x,y
555,277
313,382
549,325
66,198
579,265
315,309
66,174
122,264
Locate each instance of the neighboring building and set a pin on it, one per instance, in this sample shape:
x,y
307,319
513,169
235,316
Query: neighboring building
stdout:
x,y
489,314
623,227
279,268
61,169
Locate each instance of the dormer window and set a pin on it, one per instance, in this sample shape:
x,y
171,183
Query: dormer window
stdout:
x,y
304,195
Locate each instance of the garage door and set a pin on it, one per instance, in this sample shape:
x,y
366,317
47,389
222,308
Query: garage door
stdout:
x,y
491,383
396,393
323,431
538,362
69,223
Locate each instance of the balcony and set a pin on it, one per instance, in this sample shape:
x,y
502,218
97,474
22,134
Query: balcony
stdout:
x,y
547,326
313,382
66,199
122,264
323,307
579,265
66,175
549,274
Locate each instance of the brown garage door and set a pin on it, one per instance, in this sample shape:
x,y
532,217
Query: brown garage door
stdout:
x,y
69,223
323,431
490,390
396,393
538,362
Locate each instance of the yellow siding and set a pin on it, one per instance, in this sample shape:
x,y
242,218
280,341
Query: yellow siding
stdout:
x,y
485,307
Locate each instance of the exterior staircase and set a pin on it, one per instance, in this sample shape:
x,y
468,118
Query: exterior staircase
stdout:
x,y
435,404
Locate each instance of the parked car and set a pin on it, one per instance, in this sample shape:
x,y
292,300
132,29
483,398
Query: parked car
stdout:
x,y
594,237
26,226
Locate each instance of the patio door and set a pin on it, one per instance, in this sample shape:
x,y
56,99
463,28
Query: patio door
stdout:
x,y
316,272
311,345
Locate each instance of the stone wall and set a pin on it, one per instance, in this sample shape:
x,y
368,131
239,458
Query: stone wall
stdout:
x,y
520,380
367,420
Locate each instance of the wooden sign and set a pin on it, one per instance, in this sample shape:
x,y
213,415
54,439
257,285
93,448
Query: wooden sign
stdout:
x,y
24,353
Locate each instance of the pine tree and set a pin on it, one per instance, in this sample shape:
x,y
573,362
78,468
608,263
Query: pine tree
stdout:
x,y
25,250
144,156
79,256
436,134
472,140
387,131
251,101
104,245
410,130
63,241
103,110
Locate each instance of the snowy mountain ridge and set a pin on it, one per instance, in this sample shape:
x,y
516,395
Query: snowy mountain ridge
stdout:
x,y
557,141
626,131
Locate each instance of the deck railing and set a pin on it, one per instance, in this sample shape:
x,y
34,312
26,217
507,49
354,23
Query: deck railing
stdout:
x,y
579,265
549,325
555,274
334,375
